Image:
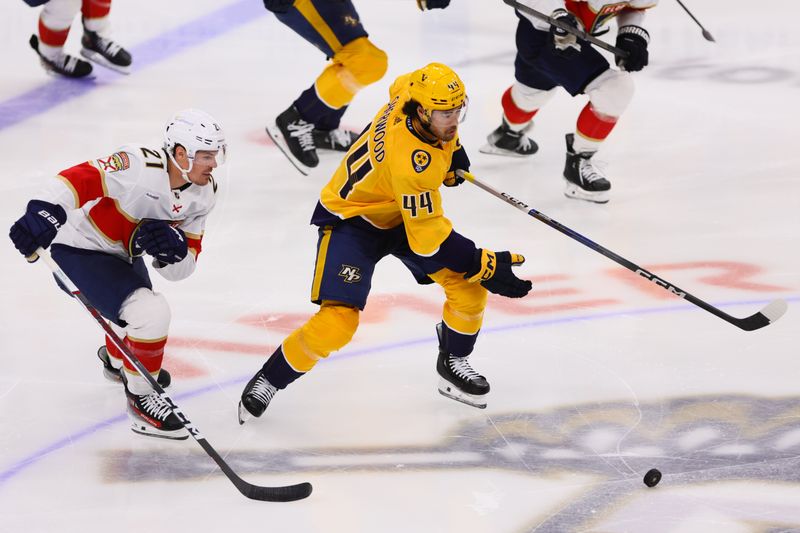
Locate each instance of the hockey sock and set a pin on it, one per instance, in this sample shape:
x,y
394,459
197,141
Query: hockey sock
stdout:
x,y
592,129
150,353
327,331
516,117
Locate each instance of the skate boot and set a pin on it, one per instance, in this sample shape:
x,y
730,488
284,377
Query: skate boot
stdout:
x,y
505,141
294,136
113,373
62,64
105,52
338,140
152,416
255,397
584,180
458,380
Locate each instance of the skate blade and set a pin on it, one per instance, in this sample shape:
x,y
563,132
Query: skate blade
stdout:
x,y
244,414
449,391
573,191
147,430
277,137
492,149
98,59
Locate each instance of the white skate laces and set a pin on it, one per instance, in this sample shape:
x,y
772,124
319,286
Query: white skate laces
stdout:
x,y
340,137
460,367
301,130
588,171
263,390
156,406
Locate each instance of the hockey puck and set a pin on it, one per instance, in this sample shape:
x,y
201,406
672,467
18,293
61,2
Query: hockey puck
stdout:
x,y
652,477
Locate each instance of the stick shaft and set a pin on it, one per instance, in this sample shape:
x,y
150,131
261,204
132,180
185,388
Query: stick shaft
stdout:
x,y
288,493
580,34
770,313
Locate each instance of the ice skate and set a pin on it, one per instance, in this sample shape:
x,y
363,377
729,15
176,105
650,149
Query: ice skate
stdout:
x,y
295,138
458,380
505,141
584,180
151,415
255,397
62,64
338,140
113,373
105,52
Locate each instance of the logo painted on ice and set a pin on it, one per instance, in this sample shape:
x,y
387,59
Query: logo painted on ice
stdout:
x,y
350,274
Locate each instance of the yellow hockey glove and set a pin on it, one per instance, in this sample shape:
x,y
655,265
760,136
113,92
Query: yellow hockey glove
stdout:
x,y
493,271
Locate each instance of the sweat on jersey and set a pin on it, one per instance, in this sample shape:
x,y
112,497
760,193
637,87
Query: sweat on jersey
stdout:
x,y
105,199
391,176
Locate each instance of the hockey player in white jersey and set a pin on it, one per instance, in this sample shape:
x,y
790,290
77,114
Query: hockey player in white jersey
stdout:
x,y
548,58
101,216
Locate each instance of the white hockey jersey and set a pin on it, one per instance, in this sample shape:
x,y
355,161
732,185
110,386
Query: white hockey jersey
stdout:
x,y
106,198
592,14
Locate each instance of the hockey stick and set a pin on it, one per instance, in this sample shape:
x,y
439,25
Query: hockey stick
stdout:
x,y
706,34
254,492
769,314
580,34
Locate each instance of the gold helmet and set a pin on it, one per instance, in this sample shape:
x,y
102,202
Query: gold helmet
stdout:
x,y
437,87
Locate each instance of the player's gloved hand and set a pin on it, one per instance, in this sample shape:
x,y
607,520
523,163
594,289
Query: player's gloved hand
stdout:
x,y
432,4
634,40
564,42
460,162
493,271
37,227
278,6
159,239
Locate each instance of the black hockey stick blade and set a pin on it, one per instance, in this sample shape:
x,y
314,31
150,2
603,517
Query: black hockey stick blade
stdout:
x,y
708,37
288,493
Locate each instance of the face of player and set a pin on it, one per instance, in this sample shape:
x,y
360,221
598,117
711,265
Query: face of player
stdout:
x,y
205,161
444,124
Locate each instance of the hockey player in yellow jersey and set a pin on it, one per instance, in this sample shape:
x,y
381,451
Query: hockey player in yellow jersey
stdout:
x,y
384,200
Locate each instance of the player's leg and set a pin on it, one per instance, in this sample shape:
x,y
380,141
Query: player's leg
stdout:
x,y
54,24
530,92
312,121
123,294
346,258
462,317
609,95
97,45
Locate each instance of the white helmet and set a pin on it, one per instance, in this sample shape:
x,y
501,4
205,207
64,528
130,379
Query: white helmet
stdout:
x,y
195,130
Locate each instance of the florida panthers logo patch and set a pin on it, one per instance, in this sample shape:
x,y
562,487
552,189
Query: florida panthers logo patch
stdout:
x,y
115,162
420,159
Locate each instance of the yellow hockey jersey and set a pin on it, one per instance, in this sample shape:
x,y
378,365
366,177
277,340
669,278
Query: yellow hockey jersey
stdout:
x,y
391,176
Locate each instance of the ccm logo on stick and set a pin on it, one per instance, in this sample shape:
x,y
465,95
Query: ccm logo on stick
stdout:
x,y
658,281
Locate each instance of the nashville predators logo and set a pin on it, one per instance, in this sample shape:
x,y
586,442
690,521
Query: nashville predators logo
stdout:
x,y
420,160
350,20
350,274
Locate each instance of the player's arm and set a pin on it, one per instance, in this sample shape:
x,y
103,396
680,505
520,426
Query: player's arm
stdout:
x,y
430,234
460,162
70,189
548,7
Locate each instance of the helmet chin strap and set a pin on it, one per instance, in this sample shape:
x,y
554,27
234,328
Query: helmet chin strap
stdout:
x,y
184,173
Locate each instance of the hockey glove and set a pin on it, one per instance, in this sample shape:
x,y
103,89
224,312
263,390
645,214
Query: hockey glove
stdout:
x,y
493,271
460,162
157,238
564,42
432,4
633,40
278,6
37,227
